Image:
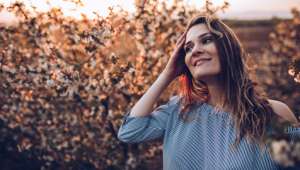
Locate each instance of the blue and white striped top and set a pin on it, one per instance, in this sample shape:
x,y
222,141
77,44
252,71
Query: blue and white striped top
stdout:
x,y
203,143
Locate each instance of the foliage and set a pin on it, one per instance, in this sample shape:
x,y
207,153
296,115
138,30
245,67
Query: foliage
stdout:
x,y
278,68
285,42
65,84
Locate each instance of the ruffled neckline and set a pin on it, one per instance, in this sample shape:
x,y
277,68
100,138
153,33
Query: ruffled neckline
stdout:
x,y
212,111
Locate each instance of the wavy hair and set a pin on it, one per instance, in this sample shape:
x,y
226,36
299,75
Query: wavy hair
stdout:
x,y
251,111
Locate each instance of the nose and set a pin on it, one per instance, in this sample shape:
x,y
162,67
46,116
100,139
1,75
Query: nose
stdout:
x,y
198,49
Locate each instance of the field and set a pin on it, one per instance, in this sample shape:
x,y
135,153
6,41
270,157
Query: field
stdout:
x,y
253,34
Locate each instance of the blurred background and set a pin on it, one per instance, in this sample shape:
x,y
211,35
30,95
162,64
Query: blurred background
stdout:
x,y
70,70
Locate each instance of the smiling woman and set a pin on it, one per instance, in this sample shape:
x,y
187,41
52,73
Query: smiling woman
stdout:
x,y
220,120
201,52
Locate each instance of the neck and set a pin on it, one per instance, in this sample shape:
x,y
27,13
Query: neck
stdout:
x,y
216,93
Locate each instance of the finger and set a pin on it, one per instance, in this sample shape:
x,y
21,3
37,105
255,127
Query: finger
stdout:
x,y
182,37
180,49
182,41
181,44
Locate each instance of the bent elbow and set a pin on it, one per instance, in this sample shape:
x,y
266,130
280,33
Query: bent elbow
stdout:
x,y
126,137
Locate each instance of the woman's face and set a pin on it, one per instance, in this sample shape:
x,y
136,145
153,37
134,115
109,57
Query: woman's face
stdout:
x,y
202,57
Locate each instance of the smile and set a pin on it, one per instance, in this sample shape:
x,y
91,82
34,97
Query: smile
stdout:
x,y
199,62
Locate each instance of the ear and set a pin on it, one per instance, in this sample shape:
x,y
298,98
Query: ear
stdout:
x,y
284,112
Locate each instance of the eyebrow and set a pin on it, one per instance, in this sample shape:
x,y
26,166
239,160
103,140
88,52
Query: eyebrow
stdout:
x,y
200,36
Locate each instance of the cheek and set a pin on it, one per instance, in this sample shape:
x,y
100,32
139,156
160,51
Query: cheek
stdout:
x,y
218,60
218,65
215,55
187,61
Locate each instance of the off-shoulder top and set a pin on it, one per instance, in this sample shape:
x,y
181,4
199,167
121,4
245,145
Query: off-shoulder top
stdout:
x,y
203,143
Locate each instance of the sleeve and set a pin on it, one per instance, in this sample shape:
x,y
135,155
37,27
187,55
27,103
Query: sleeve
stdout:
x,y
293,132
139,129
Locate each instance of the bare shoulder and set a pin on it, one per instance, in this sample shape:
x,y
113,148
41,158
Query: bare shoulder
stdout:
x,y
283,111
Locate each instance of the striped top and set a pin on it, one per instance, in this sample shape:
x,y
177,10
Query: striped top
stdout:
x,y
203,143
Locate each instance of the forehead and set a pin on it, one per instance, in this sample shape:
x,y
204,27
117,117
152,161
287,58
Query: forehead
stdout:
x,y
195,31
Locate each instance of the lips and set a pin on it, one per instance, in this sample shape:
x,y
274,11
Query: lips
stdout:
x,y
200,61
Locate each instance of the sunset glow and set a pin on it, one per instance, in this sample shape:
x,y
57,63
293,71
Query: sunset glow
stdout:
x,y
89,6
237,8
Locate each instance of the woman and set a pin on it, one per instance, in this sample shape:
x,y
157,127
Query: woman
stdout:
x,y
220,120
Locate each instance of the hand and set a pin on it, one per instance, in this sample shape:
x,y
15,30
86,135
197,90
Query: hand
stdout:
x,y
175,65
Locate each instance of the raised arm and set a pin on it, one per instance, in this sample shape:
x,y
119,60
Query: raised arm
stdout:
x,y
173,69
142,123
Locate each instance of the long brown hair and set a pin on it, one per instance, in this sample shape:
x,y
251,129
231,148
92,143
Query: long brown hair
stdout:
x,y
251,110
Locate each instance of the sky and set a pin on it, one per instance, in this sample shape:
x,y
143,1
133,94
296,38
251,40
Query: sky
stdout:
x,y
260,8
238,9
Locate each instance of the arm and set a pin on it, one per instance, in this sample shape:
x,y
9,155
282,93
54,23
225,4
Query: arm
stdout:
x,y
286,115
145,128
284,112
172,70
143,124
144,106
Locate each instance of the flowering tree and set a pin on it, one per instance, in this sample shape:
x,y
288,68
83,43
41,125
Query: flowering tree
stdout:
x,y
66,83
278,68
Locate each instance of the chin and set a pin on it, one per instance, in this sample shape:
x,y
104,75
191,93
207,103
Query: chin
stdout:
x,y
205,75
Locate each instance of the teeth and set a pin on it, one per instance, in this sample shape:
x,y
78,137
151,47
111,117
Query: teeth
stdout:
x,y
197,63
201,61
